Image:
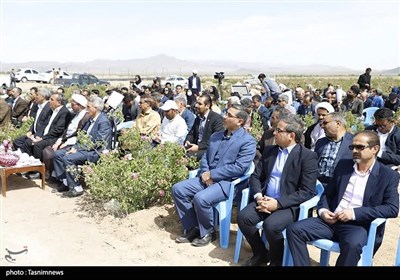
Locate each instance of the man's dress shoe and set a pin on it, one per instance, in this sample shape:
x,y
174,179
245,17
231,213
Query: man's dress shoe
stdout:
x,y
60,188
205,240
189,236
73,193
257,261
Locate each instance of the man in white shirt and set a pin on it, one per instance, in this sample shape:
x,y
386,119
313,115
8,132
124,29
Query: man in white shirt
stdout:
x,y
173,126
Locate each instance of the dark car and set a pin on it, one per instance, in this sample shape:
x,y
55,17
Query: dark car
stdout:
x,y
81,80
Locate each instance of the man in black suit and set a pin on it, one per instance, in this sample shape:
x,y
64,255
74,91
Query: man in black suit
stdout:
x,y
358,193
389,136
194,84
364,81
206,123
56,126
41,120
284,178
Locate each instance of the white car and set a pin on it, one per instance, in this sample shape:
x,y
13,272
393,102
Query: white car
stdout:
x,y
26,74
47,77
175,80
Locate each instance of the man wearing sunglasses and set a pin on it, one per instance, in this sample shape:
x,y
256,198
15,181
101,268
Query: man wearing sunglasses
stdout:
x,y
389,137
360,191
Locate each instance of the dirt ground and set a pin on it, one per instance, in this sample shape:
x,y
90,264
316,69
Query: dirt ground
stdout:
x,y
60,231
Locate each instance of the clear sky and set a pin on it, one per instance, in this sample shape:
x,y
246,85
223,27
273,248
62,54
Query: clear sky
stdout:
x,y
355,34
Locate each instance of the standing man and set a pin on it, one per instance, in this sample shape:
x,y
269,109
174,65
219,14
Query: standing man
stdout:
x,y
12,78
284,178
360,191
364,81
270,85
228,156
194,84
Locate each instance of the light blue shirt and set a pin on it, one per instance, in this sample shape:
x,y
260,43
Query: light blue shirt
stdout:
x,y
273,188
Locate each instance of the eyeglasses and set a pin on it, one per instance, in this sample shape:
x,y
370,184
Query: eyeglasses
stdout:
x,y
358,147
278,130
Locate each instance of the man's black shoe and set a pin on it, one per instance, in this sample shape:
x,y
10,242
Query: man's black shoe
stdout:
x,y
205,240
73,193
257,261
189,236
61,188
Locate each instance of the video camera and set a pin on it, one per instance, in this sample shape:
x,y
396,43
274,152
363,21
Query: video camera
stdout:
x,y
219,76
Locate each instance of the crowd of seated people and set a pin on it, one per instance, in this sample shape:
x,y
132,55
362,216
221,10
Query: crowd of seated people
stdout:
x,y
174,114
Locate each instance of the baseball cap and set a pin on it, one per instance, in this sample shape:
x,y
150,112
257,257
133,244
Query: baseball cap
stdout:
x,y
168,105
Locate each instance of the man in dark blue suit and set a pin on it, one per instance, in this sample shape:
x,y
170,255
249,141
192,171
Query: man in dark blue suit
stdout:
x,y
228,156
99,129
333,147
284,177
358,193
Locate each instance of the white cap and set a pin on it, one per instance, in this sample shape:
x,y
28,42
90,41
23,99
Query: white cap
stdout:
x,y
325,105
194,71
168,105
80,99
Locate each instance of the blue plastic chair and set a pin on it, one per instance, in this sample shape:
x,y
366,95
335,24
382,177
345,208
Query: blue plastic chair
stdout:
x,y
304,208
397,263
368,114
224,208
327,246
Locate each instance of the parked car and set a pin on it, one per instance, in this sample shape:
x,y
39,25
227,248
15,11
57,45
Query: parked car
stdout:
x,y
81,80
175,80
26,74
47,77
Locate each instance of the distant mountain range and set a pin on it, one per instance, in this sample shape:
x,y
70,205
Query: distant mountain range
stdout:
x,y
163,65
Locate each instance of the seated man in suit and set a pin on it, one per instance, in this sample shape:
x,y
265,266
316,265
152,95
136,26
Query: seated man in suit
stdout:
x,y
268,138
58,122
5,113
389,137
206,123
19,107
68,139
361,190
228,156
284,178
41,120
333,147
99,129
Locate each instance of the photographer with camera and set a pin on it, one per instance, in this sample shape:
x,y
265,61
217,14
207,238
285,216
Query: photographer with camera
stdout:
x,y
219,76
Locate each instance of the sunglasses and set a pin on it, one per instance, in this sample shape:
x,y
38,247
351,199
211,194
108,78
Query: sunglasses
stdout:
x,y
358,147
